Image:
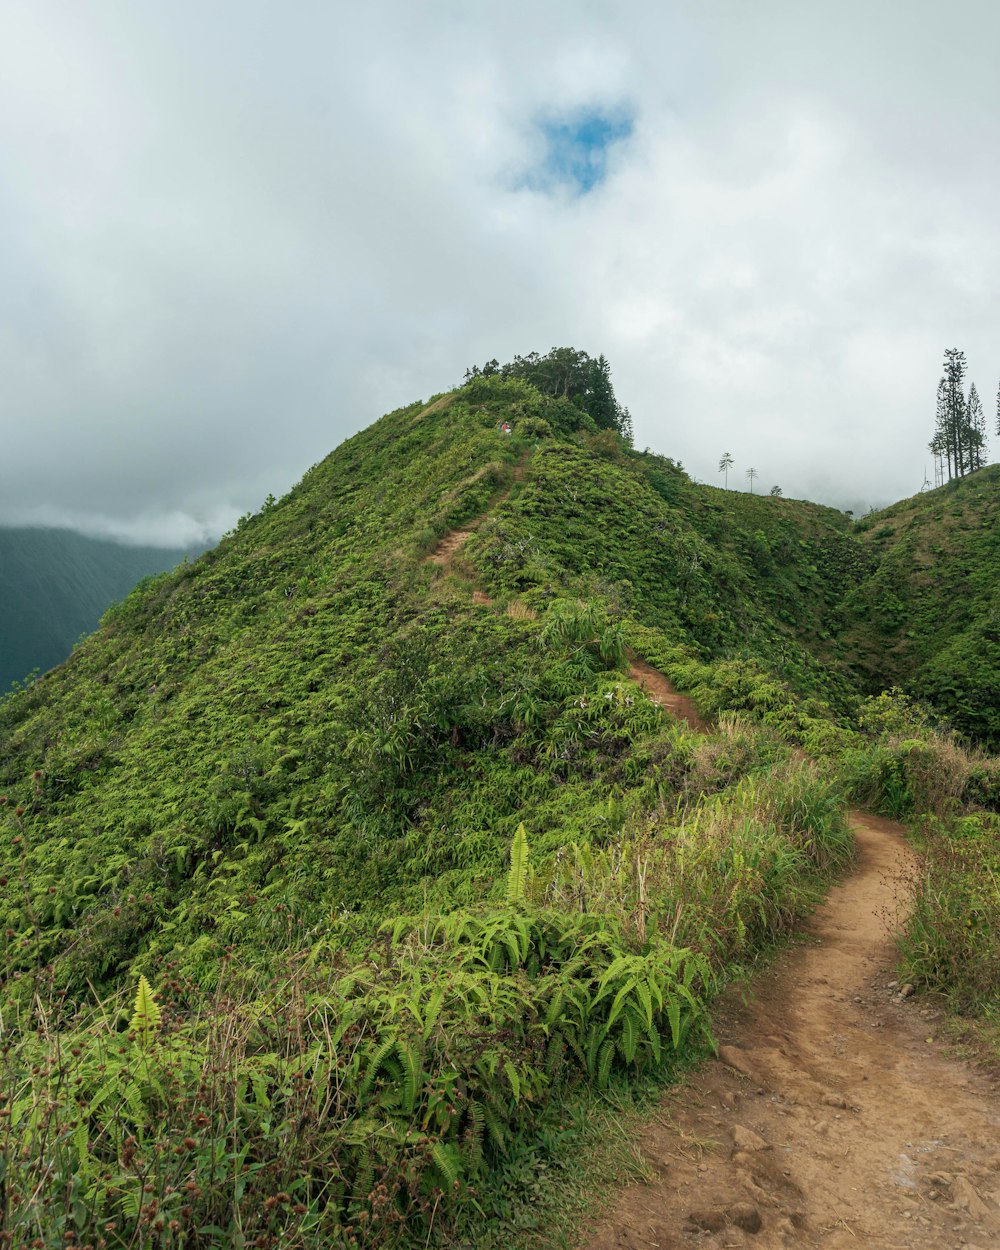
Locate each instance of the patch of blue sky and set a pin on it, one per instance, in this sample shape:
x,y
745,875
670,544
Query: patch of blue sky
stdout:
x,y
577,148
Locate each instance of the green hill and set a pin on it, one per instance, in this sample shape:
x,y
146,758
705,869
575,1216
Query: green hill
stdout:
x,y
372,799
56,585
927,618
314,711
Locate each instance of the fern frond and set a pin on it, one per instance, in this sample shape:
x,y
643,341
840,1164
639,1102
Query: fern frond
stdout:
x,y
518,875
604,1064
145,1013
448,1162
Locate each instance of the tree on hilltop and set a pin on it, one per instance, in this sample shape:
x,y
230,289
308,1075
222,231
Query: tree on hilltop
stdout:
x,y
727,462
975,428
566,373
959,441
751,474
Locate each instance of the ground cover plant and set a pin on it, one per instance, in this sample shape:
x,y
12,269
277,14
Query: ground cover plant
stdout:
x,y
335,871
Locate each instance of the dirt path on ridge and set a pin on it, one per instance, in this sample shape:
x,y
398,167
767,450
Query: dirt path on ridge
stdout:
x,y
448,547
832,1117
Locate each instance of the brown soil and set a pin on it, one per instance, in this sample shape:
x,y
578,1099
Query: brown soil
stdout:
x,y
831,1118
446,548
661,691
437,405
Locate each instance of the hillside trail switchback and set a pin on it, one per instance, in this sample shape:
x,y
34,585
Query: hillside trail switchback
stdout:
x,y
831,1117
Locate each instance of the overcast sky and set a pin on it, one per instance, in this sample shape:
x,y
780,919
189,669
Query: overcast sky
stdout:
x,y
234,232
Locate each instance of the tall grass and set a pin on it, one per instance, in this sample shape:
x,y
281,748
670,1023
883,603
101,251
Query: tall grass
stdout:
x,y
733,876
951,942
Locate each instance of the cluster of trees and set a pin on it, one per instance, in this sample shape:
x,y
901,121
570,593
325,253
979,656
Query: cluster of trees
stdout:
x,y
959,442
727,462
566,373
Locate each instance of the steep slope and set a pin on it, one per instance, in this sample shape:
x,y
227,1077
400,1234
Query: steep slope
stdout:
x,y
56,585
927,616
315,716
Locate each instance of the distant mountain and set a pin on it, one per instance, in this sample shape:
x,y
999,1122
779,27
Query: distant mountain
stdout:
x,y
55,585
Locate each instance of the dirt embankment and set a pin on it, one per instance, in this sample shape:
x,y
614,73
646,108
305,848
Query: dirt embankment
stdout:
x,y
832,1117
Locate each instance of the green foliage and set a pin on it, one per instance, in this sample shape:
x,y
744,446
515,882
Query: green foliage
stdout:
x,y
264,759
145,1013
925,618
517,877
952,938
580,381
903,766
370,1099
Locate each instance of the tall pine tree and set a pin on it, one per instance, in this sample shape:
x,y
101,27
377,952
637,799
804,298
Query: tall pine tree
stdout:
x,y
959,442
975,429
998,409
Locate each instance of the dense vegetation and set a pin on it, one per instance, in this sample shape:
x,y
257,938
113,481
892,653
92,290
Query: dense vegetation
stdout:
x,y
56,585
927,618
336,864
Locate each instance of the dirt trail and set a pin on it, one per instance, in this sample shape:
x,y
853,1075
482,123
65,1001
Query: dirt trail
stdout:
x,y
661,691
831,1118
447,548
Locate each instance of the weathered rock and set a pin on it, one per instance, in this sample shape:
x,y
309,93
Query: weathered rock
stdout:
x,y
745,1139
734,1058
906,991
746,1216
965,1198
711,1219
834,1100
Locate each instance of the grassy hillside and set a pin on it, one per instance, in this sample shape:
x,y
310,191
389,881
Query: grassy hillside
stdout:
x,y
313,715
374,854
927,618
56,585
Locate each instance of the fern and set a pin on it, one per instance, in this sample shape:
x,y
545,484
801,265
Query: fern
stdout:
x,y
448,1162
604,1064
517,877
145,1013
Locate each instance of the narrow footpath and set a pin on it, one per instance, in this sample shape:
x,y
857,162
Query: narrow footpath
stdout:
x,y
832,1117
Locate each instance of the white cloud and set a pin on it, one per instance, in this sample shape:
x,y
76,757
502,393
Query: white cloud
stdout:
x,y
233,234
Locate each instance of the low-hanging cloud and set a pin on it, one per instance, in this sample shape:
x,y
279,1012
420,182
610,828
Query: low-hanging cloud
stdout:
x,y
231,235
